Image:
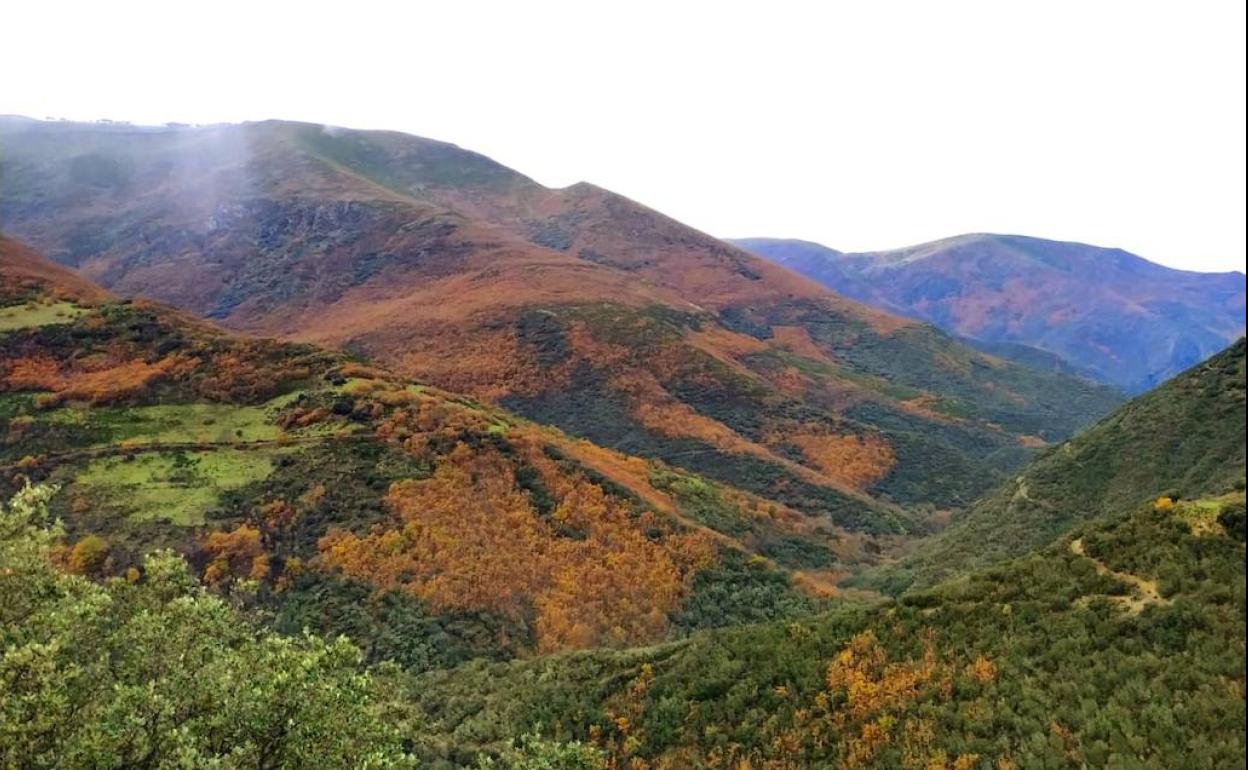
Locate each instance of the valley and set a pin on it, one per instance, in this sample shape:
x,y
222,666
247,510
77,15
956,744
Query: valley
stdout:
x,y
353,449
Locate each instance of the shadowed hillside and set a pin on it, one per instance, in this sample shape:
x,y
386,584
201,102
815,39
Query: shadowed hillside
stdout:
x,y
574,307
1183,440
1108,313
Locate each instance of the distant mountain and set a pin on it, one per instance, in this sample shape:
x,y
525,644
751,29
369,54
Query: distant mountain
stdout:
x,y
1109,314
1184,439
575,307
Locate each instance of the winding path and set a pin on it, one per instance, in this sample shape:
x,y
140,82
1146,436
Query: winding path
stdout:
x,y
1145,591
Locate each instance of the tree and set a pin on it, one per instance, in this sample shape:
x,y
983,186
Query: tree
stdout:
x,y
159,673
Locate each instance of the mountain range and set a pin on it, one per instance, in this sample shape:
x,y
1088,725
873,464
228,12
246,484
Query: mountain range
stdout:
x,y
1104,313
574,307
339,448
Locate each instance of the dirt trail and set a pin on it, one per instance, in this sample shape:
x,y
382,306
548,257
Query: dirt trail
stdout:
x,y
1145,591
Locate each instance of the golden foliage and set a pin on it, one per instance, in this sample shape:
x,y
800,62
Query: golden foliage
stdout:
x,y
982,670
88,556
856,461
871,683
470,539
235,554
871,702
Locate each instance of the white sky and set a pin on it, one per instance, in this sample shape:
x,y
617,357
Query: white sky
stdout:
x,y
861,125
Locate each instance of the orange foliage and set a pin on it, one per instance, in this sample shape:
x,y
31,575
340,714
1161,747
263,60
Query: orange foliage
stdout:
x,y
88,556
982,670
277,515
797,340
870,703
96,380
34,373
857,461
470,539
235,554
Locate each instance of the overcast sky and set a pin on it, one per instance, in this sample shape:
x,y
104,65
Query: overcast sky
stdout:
x,y
860,125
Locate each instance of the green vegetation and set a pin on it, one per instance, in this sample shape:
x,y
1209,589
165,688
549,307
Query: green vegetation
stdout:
x,y
1184,439
155,672
179,486
516,599
196,423
37,314
1039,662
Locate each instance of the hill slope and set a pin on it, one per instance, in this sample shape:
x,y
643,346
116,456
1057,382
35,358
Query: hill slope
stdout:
x,y
1119,645
24,274
1106,312
430,527
1185,439
575,307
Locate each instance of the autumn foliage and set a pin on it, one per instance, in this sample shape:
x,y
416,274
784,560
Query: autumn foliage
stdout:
x,y
857,461
235,554
589,571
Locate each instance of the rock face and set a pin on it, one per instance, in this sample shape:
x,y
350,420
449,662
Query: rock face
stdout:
x,y
1107,313
575,306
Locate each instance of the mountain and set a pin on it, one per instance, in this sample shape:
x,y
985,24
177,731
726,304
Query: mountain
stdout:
x,y
1109,314
338,497
311,491
1182,440
1120,644
573,307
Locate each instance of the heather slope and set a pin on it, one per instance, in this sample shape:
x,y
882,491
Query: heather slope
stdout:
x,y
577,306
1108,313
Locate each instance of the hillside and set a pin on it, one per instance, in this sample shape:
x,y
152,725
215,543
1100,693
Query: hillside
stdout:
x,y
1182,440
24,275
1122,645
1118,644
341,498
575,307
310,491
1109,314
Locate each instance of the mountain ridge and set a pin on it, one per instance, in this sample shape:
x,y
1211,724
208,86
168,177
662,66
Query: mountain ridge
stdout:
x,y
1124,320
455,270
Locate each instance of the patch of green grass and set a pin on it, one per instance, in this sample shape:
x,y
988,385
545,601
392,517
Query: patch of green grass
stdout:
x,y
175,423
32,314
1202,515
179,486
197,423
